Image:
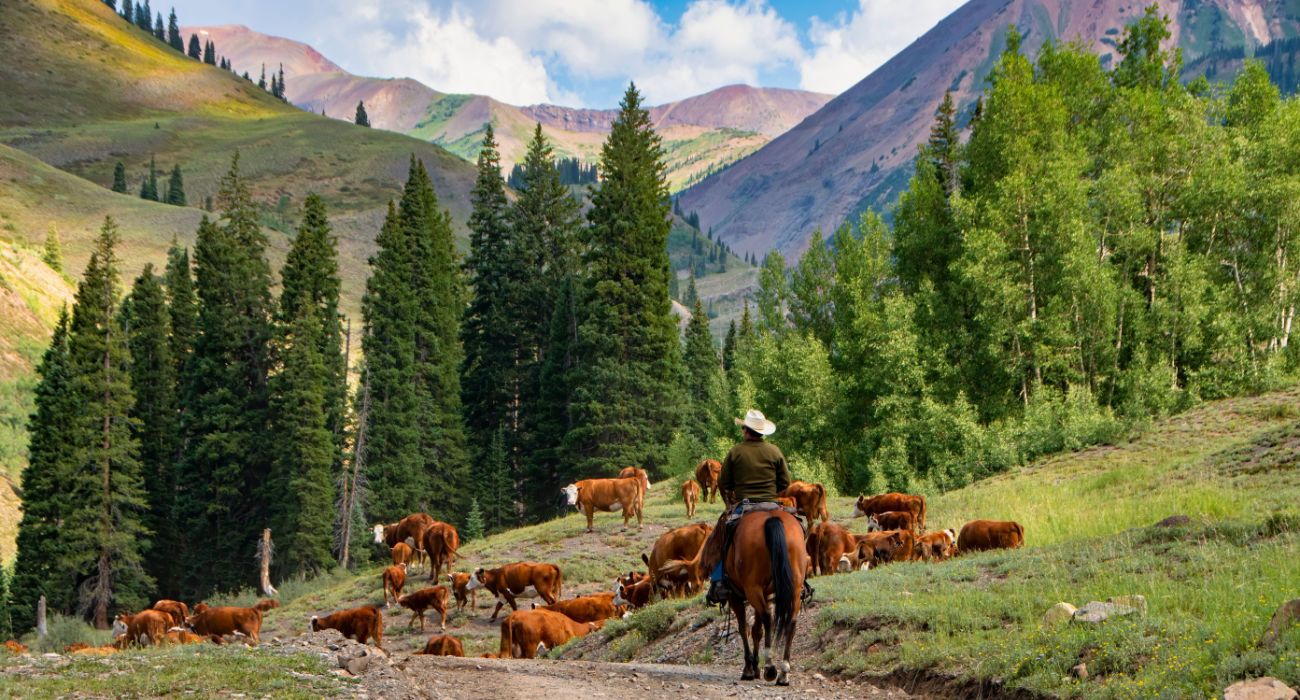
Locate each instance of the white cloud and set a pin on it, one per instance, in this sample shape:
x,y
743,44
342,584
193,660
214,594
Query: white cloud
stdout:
x,y
846,49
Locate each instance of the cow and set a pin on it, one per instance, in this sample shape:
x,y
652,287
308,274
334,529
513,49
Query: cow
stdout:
x,y
442,645
709,474
266,604
609,495
145,628
980,535
645,482
876,548
15,648
401,553
511,580
937,545
409,529
175,609
690,496
181,636
394,579
526,633
434,598
832,548
441,541
679,543
358,623
632,578
891,520
222,621
459,581
587,608
871,505
810,500
637,595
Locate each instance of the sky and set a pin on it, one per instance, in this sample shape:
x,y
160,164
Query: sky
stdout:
x,y
582,53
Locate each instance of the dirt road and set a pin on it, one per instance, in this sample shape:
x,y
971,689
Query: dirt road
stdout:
x,y
447,677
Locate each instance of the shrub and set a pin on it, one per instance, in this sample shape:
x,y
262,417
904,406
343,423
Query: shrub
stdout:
x,y
63,631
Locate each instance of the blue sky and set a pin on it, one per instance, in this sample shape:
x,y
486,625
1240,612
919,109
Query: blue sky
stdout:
x,y
583,52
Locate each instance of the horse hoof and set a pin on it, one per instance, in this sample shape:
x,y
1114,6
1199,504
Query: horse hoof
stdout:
x,y
769,674
782,680
748,675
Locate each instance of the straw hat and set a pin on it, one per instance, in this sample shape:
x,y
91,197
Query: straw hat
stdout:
x,y
757,422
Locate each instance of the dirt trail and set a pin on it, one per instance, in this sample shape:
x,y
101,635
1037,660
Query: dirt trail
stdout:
x,y
448,677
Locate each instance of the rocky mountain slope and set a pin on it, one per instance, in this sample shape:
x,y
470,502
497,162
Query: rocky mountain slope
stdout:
x,y
856,152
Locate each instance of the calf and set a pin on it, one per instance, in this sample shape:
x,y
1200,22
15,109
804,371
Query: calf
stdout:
x,y
891,520
980,535
441,541
709,474
871,505
145,628
511,580
609,495
358,623
690,496
526,633
442,645
175,609
877,548
434,598
409,528
222,621
401,553
679,543
176,635
267,604
937,545
810,500
636,595
638,473
459,581
587,608
394,580
834,549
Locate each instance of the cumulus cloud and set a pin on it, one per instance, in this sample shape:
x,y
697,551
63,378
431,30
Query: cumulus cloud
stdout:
x,y
848,47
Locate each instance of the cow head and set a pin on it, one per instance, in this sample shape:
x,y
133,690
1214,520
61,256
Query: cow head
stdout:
x,y
872,524
571,494
860,507
120,622
844,565
618,596
475,581
379,534
315,623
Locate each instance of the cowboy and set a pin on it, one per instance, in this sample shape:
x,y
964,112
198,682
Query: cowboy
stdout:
x,y
754,472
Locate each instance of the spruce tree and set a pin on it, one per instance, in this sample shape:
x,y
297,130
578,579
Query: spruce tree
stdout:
x,y
149,187
703,378
181,307
729,348
144,16
176,187
280,85
473,530
221,499
6,616
119,178
104,532
53,253
627,398
153,379
496,487
261,82
195,50
362,119
210,53
174,32
159,29
128,11
46,501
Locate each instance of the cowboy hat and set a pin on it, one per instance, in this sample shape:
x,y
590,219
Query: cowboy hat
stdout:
x,y
757,422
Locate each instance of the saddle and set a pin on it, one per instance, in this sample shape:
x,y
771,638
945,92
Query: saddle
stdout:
x,y
745,508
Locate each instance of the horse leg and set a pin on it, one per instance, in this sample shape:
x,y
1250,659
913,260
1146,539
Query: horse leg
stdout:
x,y
769,669
751,668
783,673
759,631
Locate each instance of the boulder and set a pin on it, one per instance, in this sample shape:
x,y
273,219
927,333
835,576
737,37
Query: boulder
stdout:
x,y
1259,689
1058,614
1287,614
1137,602
1097,612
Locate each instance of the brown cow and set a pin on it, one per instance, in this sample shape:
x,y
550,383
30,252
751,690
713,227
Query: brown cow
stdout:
x,y
645,482
459,581
358,623
980,535
526,633
609,495
891,520
690,496
637,595
709,474
632,578
587,608
511,580
679,543
434,598
181,636
402,553
409,528
441,540
871,505
222,621
266,604
877,548
145,628
394,580
937,545
833,549
810,500
175,609
442,645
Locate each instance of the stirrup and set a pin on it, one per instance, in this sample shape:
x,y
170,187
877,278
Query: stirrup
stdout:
x,y
807,593
718,594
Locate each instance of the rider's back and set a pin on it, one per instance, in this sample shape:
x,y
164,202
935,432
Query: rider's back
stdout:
x,y
754,470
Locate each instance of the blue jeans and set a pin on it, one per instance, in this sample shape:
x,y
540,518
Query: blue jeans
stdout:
x,y
717,573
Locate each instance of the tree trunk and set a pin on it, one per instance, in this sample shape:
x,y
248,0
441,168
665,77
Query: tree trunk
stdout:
x,y
264,557
41,629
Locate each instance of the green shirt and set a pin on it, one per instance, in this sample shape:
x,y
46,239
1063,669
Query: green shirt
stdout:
x,y
756,470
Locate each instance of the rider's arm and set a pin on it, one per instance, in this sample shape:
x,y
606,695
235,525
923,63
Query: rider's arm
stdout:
x,y
727,478
782,475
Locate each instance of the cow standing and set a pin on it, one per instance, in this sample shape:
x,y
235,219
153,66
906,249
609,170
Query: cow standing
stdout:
x,y
871,505
938,545
361,624
809,499
981,535
219,622
641,474
609,495
459,581
679,543
690,496
441,540
511,580
409,529
892,520
709,474
434,598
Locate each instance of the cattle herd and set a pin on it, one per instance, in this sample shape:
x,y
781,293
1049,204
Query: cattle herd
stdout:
x,y
896,530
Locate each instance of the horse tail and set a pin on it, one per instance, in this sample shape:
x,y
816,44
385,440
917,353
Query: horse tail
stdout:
x,y
782,571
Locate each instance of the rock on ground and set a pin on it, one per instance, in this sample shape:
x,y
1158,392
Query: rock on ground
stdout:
x,y
1058,614
1259,689
1096,612
1287,614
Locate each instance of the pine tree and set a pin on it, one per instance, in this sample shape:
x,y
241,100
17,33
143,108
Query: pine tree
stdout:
x,y
275,87
174,32
53,254
261,82
210,53
362,119
496,487
144,16
176,187
627,400
474,526
195,50
6,616
159,29
729,348
153,379
119,178
46,501
945,144
280,84
128,11
703,378
692,296
181,307
104,532
221,498
149,186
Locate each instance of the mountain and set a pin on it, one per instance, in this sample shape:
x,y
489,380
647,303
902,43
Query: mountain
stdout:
x,y
701,134
856,152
